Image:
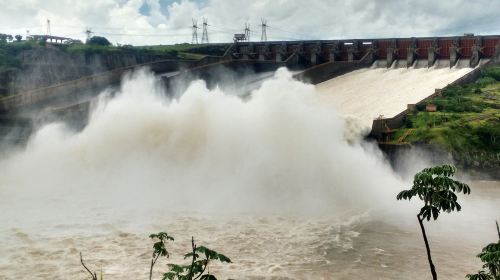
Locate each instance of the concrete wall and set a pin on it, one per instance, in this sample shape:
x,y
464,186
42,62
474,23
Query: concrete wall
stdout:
x,y
87,85
329,70
215,72
42,67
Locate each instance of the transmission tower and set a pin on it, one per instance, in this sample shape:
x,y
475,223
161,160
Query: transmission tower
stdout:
x,y
247,31
204,36
48,28
194,39
89,33
263,37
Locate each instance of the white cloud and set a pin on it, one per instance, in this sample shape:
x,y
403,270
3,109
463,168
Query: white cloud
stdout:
x,y
122,22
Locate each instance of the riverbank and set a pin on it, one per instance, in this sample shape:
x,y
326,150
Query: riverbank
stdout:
x,y
463,121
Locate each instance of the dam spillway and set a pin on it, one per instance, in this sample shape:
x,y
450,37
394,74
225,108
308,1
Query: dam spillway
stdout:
x,y
370,93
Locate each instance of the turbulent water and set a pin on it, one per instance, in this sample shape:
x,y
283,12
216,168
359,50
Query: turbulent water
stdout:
x,y
269,180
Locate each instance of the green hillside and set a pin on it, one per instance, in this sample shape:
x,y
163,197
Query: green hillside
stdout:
x,y
466,123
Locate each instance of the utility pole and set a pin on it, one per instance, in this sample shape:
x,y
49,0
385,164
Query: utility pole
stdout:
x,y
263,36
247,31
204,36
194,38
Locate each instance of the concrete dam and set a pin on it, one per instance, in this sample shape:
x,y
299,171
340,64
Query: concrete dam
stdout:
x,y
375,81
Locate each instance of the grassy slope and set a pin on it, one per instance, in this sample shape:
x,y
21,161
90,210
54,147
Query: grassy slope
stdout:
x,y
467,122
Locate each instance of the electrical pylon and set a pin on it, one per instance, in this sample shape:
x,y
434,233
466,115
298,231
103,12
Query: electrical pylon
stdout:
x,y
247,31
263,36
194,38
89,33
204,36
49,33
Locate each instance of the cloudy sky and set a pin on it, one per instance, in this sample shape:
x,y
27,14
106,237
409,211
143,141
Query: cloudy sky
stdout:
x,y
141,22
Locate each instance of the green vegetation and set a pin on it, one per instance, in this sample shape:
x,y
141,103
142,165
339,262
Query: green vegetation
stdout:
x,y
199,257
490,256
435,187
9,51
466,123
98,41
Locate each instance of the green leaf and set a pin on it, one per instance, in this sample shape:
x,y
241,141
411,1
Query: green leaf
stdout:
x,y
208,277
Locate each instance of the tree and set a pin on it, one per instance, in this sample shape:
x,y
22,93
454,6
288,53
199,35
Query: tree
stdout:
x,y
98,41
435,187
159,249
195,270
18,37
490,256
5,37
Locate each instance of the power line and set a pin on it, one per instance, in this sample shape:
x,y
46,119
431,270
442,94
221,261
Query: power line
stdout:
x,y
142,35
290,32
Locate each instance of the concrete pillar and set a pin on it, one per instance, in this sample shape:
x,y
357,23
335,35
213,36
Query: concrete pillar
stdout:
x,y
314,58
432,52
249,51
476,52
263,52
352,51
350,55
315,52
453,56
410,57
334,51
390,56
431,57
411,53
279,57
244,52
281,53
454,52
475,56
391,52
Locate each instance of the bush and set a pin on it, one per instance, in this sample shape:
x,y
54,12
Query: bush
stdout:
x,y
492,72
98,41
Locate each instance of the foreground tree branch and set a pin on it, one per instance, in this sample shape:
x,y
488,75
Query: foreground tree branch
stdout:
x,y
94,275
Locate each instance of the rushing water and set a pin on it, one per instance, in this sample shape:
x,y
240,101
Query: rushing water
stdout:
x,y
269,181
369,93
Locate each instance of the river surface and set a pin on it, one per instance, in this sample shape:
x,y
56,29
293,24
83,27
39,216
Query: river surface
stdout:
x,y
359,245
270,181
